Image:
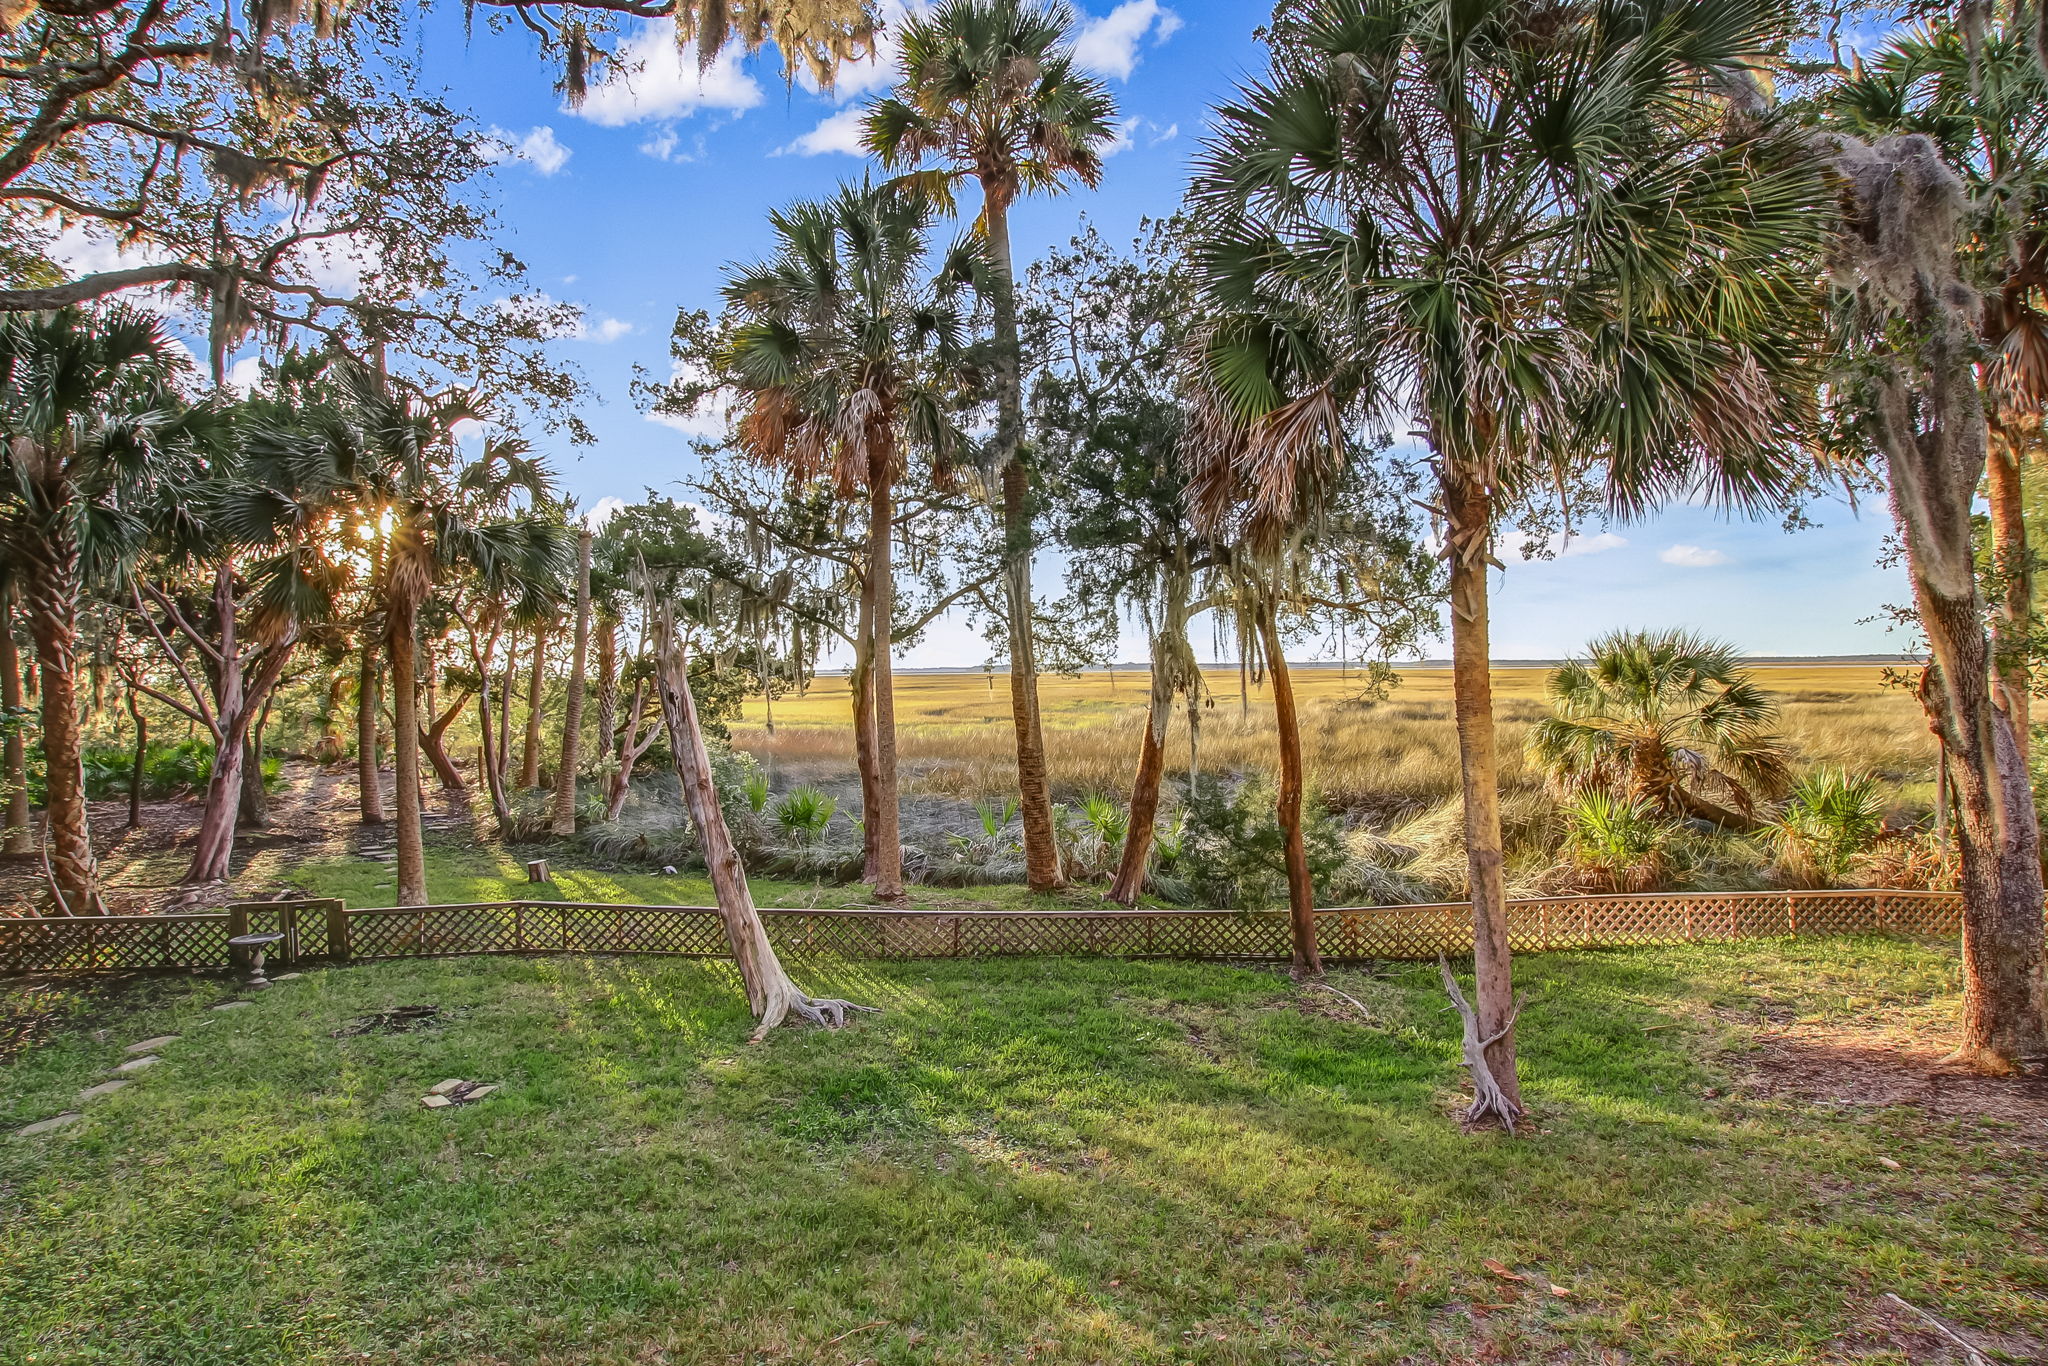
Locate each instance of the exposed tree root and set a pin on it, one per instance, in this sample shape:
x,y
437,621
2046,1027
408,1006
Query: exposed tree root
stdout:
x,y
787,1004
1488,1100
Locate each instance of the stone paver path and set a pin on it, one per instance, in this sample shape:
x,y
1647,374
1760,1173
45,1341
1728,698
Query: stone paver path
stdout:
x,y
152,1045
137,1064
105,1088
44,1126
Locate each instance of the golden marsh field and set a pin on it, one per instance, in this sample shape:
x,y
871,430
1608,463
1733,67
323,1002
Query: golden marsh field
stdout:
x,y
954,730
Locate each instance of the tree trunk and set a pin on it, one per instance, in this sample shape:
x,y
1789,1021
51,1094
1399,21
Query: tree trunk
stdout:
x,y
405,734
861,679
434,744
2012,622
771,996
369,782
888,838
608,739
1927,417
1144,807
631,747
135,765
572,714
50,601
213,854
529,754
505,704
1042,871
1470,529
19,819
494,774
1301,890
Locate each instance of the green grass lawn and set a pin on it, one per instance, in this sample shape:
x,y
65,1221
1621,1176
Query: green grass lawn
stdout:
x,y
1049,1161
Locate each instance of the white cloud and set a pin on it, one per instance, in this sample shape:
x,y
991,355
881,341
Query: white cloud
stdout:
x,y
467,430
1692,556
666,145
1109,45
1568,546
606,330
839,133
1129,132
657,79
713,418
245,374
602,511
538,148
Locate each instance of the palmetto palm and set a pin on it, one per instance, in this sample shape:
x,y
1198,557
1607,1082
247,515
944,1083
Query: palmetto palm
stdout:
x,y
843,352
1666,718
87,422
1532,234
989,90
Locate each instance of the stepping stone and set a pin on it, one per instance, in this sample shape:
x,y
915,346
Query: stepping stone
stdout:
x,y
105,1088
288,977
137,1064
54,1122
151,1045
233,1005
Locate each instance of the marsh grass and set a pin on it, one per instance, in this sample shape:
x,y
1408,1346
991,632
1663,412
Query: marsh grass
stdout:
x,y
1379,760
1058,1161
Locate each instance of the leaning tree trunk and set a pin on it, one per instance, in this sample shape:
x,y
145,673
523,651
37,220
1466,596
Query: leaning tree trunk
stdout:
x,y
771,996
572,714
50,601
1301,890
1042,871
19,841
631,746
1173,669
888,840
529,754
1144,807
434,744
1470,533
369,781
2012,621
504,754
405,733
1906,210
607,689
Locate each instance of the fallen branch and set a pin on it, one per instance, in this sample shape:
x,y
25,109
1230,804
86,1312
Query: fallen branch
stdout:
x,y
1972,1353
1370,1017
1488,1100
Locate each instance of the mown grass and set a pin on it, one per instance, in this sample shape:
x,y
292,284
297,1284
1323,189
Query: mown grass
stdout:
x,y
1049,1161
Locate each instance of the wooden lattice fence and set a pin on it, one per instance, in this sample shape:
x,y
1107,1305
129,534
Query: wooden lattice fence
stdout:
x,y
327,930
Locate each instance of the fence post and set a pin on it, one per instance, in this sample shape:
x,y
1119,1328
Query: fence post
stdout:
x,y
340,944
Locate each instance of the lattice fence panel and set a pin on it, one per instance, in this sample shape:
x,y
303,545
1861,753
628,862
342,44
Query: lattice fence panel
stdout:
x,y
108,943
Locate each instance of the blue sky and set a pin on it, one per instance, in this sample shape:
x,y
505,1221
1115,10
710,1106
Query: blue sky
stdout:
x,y
631,205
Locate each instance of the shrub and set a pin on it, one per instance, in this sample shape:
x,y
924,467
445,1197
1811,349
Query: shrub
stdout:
x,y
1232,852
803,813
1616,844
1830,818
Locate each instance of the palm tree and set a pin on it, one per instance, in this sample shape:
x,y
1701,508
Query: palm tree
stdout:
x,y
842,352
1667,718
1534,235
429,526
84,413
988,89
